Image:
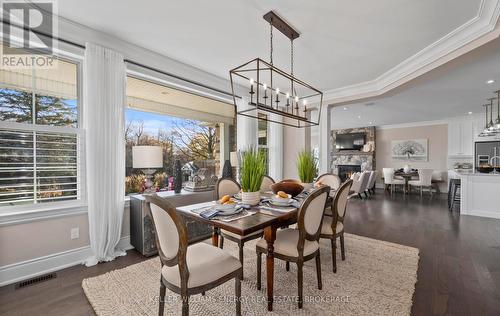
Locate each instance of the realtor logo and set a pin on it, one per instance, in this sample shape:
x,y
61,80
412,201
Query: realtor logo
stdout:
x,y
28,32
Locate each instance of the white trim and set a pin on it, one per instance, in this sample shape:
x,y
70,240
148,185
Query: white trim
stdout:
x,y
474,33
34,214
412,124
31,268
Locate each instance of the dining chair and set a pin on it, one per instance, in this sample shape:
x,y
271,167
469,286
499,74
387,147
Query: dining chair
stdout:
x,y
390,180
330,179
424,180
227,186
300,244
370,188
360,183
333,226
184,268
266,184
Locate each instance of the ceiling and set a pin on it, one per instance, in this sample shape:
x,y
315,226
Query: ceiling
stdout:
x,y
342,42
453,89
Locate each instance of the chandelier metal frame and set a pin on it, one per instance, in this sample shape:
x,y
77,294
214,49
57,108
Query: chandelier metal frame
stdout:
x,y
268,98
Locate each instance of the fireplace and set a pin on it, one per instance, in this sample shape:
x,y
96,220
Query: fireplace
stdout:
x,y
345,171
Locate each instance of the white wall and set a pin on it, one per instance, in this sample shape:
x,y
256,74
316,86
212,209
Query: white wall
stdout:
x,y
437,137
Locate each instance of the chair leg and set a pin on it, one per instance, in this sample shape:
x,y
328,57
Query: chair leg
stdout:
x,y
185,305
318,271
360,197
161,307
240,245
421,190
300,279
287,266
259,268
334,255
221,242
366,194
342,250
237,289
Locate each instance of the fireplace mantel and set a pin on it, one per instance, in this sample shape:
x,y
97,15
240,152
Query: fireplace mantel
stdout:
x,y
353,157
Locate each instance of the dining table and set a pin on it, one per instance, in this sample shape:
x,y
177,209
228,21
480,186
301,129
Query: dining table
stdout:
x,y
257,217
407,176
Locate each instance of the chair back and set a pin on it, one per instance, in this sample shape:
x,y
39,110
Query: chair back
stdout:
x,y
310,214
171,232
437,175
266,184
388,175
340,200
226,186
425,176
371,179
330,179
365,177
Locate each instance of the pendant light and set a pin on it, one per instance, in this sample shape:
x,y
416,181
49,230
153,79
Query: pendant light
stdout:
x,y
486,131
491,126
273,91
497,123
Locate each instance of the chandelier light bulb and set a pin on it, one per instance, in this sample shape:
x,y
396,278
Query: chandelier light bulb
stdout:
x,y
304,102
287,95
277,90
251,81
265,86
296,98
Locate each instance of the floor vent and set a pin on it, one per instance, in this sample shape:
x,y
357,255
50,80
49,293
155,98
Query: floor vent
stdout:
x,y
35,280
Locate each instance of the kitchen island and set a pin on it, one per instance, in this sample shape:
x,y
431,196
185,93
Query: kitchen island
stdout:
x,y
480,194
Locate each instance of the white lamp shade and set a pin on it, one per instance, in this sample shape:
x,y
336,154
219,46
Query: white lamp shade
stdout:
x,y
147,157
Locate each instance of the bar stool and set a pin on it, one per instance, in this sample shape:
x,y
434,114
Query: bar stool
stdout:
x,y
454,194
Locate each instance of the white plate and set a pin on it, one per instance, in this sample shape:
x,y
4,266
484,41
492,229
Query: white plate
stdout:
x,y
224,207
276,203
281,200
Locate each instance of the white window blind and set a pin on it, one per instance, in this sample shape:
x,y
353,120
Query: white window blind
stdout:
x,y
39,166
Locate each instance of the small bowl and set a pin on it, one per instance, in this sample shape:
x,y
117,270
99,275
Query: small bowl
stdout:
x,y
278,199
291,187
224,207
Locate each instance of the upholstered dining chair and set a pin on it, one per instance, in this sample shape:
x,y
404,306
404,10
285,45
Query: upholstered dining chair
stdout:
x,y
330,179
333,226
226,186
188,270
390,180
371,182
267,182
301,244
360,183
424,180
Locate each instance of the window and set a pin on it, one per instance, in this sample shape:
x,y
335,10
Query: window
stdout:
x,y
39,135
161,116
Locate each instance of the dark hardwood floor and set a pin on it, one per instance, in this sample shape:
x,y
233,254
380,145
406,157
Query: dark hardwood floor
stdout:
x,y
459,268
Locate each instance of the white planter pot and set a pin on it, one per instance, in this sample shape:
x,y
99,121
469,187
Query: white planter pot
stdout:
x,y
307,186
250,198
406,169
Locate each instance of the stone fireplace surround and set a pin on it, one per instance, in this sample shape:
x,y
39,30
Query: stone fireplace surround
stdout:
x,y
356,158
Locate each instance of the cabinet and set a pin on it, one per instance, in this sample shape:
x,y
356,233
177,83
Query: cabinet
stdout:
x,y
461,137
142,230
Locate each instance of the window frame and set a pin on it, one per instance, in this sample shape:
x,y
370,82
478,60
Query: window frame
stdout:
x,y
26,212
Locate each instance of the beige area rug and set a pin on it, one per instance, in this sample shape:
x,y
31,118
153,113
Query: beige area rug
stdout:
x,y
377,278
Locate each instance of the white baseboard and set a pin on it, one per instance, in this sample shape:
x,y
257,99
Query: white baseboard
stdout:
x,y
19,271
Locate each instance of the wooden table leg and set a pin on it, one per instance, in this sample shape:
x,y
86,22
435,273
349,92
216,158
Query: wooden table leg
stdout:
x,y
215,237
270,237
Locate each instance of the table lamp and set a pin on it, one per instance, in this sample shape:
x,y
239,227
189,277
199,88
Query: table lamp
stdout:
x,y
147,158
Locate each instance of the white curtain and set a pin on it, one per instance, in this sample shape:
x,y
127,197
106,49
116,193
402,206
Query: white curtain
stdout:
x,y
103,119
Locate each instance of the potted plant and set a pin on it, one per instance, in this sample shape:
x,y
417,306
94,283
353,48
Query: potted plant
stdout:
x,y
306,167
253,169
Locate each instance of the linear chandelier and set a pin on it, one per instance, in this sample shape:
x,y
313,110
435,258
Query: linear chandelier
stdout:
x,y
275,95
491,128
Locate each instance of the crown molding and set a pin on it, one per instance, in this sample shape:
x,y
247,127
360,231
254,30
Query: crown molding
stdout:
x,y
476,32
412,124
